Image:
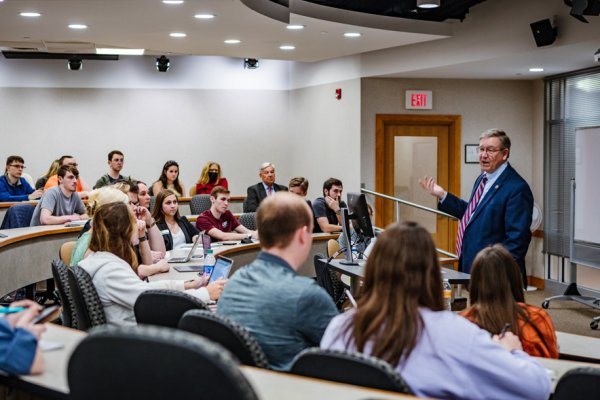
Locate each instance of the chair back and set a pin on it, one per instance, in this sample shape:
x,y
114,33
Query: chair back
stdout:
x,y
152,202
152,363
164,307
332,247
248,220
66,249
329,280
200,203
229,334
352,368
60,272
18,216
192,191
578,384
88,308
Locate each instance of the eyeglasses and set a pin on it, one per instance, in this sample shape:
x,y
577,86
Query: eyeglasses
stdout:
x,y
489,150
17,166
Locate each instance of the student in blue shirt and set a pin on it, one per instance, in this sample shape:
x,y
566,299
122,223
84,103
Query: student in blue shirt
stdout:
x,y
19,353
12,186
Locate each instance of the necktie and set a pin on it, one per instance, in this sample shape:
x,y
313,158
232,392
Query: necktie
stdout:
x,y
464,221
269,190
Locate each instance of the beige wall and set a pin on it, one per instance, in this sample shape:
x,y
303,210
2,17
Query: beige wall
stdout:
x,y
515,106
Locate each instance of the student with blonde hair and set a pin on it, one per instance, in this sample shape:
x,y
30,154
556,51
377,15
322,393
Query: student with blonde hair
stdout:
x,y
210,177
112,266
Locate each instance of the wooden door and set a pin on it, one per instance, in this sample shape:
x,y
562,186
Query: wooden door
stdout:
x,y
436,137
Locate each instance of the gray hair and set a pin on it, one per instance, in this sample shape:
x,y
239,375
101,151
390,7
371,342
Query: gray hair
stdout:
x,y
497,133
265,165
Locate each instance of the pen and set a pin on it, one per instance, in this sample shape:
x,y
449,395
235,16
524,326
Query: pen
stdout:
x,y
12,310
505,329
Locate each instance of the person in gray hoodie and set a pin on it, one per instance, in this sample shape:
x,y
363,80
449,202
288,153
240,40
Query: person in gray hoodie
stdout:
x,y
113,263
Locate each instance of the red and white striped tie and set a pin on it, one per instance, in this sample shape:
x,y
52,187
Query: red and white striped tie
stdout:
x,y
464,221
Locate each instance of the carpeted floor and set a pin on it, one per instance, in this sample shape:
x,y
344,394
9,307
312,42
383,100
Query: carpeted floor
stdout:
x,y
568,316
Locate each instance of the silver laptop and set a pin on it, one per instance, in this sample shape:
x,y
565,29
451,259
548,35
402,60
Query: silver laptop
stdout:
x,y
188,258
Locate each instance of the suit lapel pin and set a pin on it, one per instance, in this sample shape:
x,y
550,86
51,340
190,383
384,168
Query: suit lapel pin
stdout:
x,y
497,186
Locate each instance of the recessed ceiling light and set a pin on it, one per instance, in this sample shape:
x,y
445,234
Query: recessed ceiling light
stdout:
x,y
172,1
294,27
123,52
232,41
177,34
30,14
204,16
353,34
536,69
78,26
287,47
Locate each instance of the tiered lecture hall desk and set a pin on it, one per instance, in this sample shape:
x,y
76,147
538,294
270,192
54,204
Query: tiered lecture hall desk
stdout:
x,y
268,385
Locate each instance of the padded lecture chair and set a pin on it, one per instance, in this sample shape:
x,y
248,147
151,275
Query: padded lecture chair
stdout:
x,y
60,272
248,220
88,308
18,216
332,247
352,368
164,307
66,249
152,202
153,363
328,280
200,203
228,333
578,384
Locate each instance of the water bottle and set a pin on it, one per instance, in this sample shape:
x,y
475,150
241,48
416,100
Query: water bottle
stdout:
x,y
354,253
447,295
209,262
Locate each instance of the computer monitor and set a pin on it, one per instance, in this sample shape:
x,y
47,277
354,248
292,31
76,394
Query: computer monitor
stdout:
x,y
358,213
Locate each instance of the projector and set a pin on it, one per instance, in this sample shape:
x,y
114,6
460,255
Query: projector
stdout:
x,y
597,55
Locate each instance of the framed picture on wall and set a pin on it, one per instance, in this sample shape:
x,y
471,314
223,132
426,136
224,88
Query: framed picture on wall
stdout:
x,y
471,154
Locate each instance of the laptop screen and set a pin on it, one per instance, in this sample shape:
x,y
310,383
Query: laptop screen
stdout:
x,y
221,270
206,240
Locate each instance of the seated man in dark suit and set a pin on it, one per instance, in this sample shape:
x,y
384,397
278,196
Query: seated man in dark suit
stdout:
x,y
257,193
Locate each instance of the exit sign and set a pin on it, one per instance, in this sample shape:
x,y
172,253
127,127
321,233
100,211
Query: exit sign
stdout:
x,y
419,99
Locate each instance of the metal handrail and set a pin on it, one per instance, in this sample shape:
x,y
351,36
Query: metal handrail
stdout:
x,y
408,203
415,205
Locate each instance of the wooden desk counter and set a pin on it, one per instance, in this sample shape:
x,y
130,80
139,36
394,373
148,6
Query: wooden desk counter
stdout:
x,y
26,253
243,254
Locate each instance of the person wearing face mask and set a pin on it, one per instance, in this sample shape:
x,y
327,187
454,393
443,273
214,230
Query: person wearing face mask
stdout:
x,y
210,178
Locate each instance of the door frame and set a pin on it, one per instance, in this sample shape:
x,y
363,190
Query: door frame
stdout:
x,y
384,171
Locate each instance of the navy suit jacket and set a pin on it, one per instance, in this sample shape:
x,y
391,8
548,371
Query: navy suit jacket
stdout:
x,y
256,193
503,216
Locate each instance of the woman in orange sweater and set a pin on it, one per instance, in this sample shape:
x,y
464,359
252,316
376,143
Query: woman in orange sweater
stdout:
x,y
496,294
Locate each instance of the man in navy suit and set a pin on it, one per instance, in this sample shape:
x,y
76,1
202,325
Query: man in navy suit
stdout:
x,y
503,211
257,193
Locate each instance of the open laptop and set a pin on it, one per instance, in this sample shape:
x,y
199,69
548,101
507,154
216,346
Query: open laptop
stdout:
x,y
188,258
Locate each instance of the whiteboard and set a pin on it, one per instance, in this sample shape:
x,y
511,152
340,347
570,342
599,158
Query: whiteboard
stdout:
x,y
586,227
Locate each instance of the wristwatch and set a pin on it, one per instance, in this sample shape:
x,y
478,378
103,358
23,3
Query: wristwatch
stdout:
x,y
143,238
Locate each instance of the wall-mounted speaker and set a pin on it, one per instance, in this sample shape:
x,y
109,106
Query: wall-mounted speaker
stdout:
x,y
543,32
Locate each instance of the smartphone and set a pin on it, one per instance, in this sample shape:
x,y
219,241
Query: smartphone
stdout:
x,y
206,243
46,315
